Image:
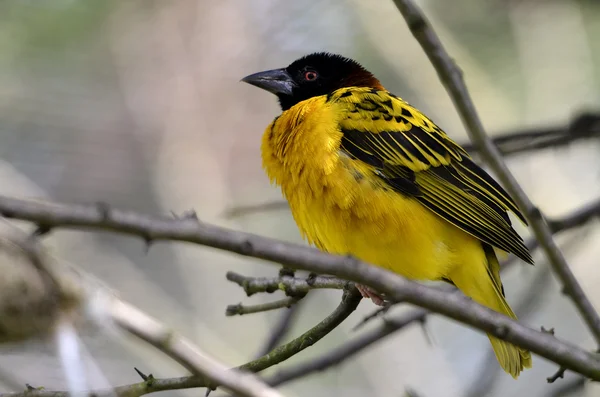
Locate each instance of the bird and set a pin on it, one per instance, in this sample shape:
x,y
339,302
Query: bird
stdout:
x,y
368,175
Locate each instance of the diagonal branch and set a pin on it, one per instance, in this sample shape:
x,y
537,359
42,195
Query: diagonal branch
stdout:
x,y
584,126
389,326
451,77
576,218
310,259
187,354
348,349
350,300
280,329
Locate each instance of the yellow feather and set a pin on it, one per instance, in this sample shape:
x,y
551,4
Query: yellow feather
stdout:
x,y
342,204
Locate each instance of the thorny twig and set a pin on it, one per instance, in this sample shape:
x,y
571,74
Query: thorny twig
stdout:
x,y
254,285
187,354
305,258
350,301
508,330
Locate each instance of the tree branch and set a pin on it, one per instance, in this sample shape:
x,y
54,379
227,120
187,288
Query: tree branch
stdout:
x,y
187,354
292,286
584,126
350,300
389,326
348,349
280,330
239,309
310,259
576,218
243,210
451,78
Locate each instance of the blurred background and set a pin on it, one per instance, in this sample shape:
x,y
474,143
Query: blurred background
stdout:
x,y
138,103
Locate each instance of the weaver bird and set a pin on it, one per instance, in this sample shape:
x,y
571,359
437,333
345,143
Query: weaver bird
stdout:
x,y
367,174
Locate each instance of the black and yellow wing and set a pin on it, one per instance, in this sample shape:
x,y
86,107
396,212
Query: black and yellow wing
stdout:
x,y
415,157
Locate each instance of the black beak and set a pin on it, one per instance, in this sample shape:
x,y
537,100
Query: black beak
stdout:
x,y
276,81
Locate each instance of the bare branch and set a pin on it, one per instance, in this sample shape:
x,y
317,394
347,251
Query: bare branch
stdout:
x,y
239,309
301,257
584,126
238,211
350,301
569,388
280,329
292,286
559,374
187,354
451,78
348,349
576,218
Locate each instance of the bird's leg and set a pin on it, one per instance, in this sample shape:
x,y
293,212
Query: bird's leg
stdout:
x,y
370,293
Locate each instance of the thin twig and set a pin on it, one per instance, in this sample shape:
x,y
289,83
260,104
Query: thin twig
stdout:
x,y
569,388
242,210
254,285
239,309
584,126
576,218
451,78
310,259
292,286
350,300
349,349
187,354
559,374
572,220
280,329
377,313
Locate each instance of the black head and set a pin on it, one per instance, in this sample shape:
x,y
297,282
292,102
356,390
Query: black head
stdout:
x,y
313,75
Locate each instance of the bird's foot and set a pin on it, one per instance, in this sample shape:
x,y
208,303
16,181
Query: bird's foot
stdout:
x,y
370,293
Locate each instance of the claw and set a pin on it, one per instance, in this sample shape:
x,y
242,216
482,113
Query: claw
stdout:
x,y
370,293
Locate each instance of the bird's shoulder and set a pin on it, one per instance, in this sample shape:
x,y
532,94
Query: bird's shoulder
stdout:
x,y
415,157
388,124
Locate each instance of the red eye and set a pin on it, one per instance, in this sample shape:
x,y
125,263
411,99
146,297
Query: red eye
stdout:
x,y
310,75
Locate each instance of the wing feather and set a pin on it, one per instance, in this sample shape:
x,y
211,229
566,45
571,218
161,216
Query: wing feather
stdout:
x,y
415,157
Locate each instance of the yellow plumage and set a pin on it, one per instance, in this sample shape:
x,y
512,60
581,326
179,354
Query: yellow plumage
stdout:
x,y
367,174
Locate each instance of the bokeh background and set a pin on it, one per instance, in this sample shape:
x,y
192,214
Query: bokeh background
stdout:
x,y
138,103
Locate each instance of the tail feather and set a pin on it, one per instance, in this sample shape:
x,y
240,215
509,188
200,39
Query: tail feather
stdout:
x,y
485,288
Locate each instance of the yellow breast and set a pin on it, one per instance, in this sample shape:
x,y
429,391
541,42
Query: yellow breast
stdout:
x,y
341,206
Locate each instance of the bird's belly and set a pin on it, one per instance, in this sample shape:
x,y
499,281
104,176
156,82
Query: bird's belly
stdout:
x,y
379,226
